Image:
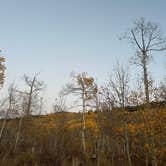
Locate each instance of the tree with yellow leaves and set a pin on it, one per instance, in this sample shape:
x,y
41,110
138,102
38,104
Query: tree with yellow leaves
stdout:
x,y
85,88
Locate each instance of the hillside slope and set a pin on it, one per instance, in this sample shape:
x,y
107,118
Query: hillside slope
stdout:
x,y
112,138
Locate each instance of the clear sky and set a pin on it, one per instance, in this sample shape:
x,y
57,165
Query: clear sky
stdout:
x,y
60,36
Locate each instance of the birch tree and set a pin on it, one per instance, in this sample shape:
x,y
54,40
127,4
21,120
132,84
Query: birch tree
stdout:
x,y
85,88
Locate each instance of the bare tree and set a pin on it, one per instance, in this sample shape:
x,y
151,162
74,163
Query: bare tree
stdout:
x,y
146,38
160,92
85,88
35,86
118,85
136,96
107,99
59,105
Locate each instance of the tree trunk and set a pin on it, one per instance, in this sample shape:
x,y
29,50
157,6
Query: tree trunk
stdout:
x,y
18,134
30,97
29,104
2,128
154,159
146,82
83,127
127,145
147,162
99,133
4,122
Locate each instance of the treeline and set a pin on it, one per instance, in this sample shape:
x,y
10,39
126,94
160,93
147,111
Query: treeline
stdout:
x,y
115,124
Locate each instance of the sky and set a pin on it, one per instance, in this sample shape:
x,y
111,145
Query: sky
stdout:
x,y
56,37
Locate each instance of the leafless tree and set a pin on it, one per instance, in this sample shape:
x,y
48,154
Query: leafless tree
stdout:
x,y
59,105
136,95
146,37
163,90
34,87
108,100
160,92
119,85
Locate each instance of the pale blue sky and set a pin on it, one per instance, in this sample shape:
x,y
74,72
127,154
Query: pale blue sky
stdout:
x,y
60,36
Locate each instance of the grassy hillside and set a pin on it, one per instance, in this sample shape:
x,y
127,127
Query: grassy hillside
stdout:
x,y
112,138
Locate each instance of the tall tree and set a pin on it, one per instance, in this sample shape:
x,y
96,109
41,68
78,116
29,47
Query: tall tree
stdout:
x,y
146,38
85,88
